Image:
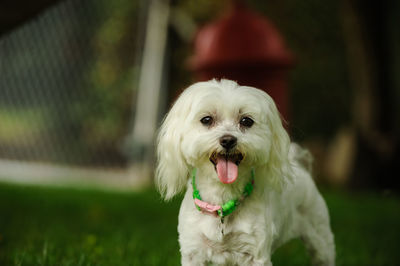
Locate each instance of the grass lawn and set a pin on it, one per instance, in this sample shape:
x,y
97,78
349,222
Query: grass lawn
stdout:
x,y
55,226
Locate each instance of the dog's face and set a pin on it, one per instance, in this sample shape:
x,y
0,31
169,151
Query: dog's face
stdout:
x,y
222,126
226,128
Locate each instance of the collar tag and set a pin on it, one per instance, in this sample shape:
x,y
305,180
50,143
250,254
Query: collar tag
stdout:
x,y
207,207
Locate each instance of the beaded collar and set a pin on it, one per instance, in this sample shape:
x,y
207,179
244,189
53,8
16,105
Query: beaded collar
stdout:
x,y
226,208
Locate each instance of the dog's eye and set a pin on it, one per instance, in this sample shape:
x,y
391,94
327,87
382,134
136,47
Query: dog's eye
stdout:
x,y
207,120
246,121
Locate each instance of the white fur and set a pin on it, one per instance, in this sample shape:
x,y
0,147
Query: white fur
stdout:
x,y
285,202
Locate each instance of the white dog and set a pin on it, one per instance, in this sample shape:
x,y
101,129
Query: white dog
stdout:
x,y
247,188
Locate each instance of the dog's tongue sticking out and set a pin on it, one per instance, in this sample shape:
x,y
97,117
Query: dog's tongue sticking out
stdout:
x,y
227,170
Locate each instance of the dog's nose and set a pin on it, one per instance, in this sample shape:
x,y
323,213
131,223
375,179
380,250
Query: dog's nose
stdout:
x,y
228,141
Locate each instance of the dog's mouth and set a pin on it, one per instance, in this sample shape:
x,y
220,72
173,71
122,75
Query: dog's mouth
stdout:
x,y
226,165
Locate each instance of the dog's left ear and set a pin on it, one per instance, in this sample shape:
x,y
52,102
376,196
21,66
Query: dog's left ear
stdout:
x,y
172,170
278,167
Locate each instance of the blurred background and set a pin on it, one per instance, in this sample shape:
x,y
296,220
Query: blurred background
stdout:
x,y
85,84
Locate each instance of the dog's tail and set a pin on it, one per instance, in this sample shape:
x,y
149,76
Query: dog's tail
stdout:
x,y
301,156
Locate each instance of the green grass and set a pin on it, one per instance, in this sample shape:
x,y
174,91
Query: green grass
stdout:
x,y
54,226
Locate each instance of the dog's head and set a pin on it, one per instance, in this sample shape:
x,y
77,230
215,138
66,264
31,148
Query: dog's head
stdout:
x,y
223,126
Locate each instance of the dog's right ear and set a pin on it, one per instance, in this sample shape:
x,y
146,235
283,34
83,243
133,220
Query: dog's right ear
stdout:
x,y
172,170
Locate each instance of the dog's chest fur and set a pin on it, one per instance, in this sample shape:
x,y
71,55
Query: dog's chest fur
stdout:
x,y
225,237
234,241
226,243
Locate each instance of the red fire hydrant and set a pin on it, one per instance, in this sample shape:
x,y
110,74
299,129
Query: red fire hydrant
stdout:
x,y
245,47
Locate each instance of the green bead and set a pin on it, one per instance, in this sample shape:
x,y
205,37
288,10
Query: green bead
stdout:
x,y
196,194
229,207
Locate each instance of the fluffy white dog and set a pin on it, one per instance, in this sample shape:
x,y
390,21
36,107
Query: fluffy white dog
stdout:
x,y
248,190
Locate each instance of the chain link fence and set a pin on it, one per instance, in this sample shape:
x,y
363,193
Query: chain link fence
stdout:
x,y
68,81
67,84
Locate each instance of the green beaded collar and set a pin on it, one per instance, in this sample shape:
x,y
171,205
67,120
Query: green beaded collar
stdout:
x,y
226,208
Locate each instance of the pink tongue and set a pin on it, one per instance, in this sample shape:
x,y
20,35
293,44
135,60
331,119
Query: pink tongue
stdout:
x,y
227,171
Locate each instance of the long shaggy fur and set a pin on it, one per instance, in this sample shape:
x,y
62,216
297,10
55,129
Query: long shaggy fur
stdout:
x,y
285,202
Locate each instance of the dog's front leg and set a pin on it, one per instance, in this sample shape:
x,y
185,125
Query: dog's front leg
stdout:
x,y
317,234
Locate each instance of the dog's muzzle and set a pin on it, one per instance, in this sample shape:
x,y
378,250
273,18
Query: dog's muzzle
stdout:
x,y
226,164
